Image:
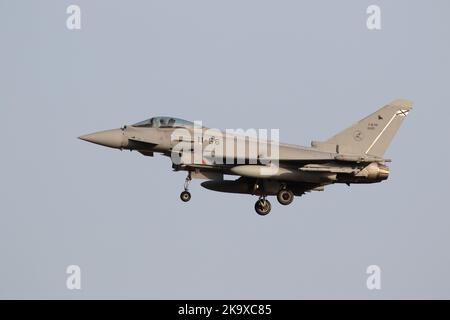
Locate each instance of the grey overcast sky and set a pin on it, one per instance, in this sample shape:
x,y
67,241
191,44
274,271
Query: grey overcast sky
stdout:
x,y
309,68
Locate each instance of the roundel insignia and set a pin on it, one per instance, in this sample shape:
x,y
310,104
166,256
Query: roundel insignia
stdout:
x,y
358,135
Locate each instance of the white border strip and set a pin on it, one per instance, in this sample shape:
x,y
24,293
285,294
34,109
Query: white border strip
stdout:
x,y
379,135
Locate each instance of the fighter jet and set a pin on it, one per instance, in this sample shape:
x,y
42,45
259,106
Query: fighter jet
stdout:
x,y
352,156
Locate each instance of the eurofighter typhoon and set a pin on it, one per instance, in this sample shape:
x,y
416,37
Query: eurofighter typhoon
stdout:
x,y
264,167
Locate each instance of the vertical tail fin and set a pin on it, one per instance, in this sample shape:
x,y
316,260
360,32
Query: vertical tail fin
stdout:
x,y
373,134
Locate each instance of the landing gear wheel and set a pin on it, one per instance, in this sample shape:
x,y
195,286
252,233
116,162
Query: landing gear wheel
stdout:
x,y
262,207
285,197
185,196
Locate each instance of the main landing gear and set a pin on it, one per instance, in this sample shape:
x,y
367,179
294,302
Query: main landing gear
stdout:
x,y
285,197
263,206
185,196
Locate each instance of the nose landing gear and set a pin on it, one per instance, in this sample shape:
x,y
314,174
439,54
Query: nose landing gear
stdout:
x,y
185,196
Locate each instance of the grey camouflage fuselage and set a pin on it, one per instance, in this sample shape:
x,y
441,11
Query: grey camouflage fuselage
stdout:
x,y
353,156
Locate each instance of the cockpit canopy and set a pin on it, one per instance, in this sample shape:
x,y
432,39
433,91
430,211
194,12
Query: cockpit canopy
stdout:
x,y
164,122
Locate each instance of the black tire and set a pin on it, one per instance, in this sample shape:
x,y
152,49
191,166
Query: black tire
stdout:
x,y
285,197
263,207
185,196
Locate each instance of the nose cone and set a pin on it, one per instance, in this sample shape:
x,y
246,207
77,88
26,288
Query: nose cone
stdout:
x,y
109,138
